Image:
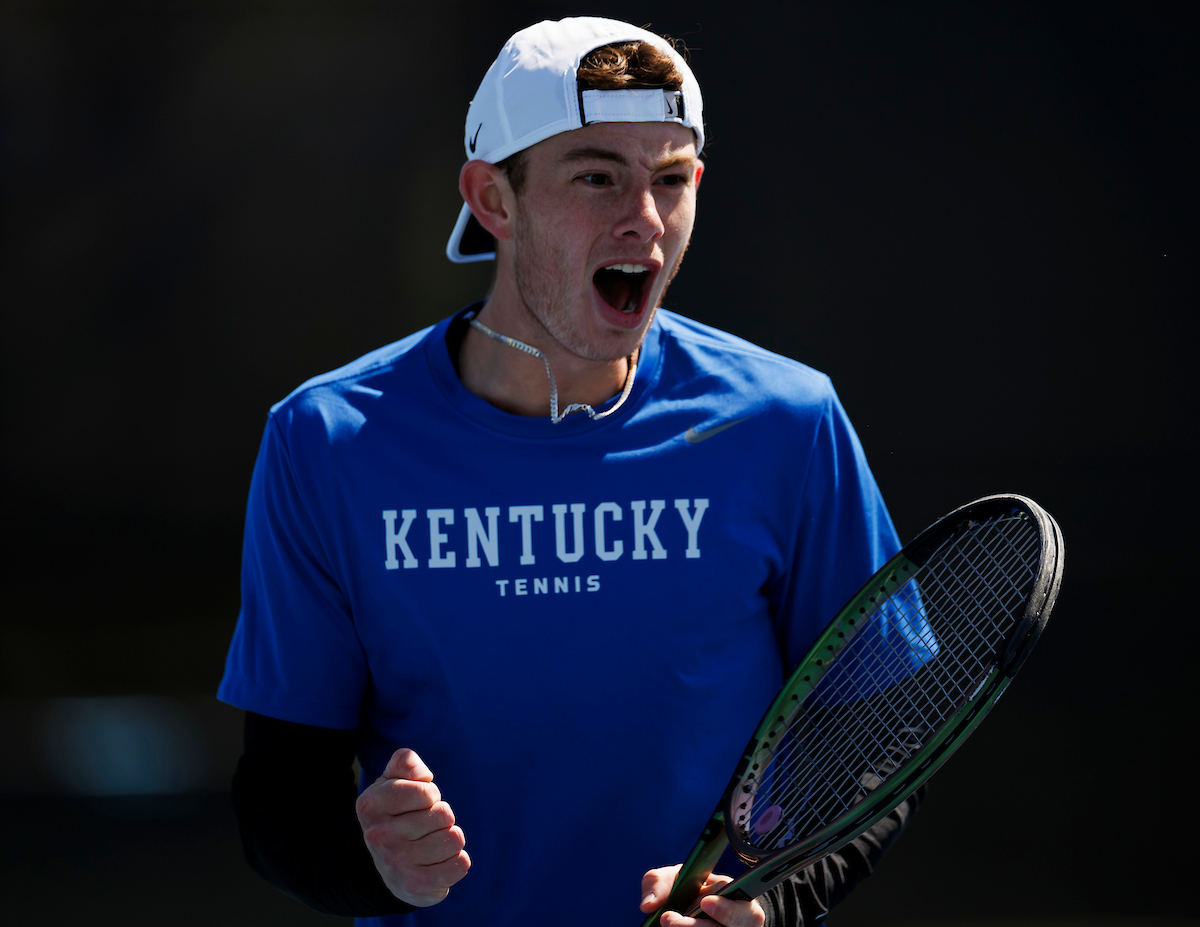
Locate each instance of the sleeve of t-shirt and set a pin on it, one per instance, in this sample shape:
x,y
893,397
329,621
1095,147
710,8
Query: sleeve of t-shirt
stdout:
x,y
295,653
842,533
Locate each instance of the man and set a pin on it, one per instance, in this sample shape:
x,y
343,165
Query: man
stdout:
x,y
573,619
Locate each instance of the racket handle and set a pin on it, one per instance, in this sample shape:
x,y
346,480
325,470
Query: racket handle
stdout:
x,y
685,893
736,894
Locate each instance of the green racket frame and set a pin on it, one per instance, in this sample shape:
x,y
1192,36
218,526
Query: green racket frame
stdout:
x,y
771,869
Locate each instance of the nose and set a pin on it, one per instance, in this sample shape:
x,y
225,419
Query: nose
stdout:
x,y
641,220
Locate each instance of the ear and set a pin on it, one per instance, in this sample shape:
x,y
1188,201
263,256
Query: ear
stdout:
x,y
486,190
699,172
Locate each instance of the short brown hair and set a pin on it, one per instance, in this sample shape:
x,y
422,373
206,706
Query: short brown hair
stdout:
x,y
620,66
629,66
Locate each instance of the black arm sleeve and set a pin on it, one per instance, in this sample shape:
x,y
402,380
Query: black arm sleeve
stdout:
x,y
294,794
808,896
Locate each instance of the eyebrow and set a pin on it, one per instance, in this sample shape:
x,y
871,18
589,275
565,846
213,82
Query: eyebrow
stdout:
x,y
589,153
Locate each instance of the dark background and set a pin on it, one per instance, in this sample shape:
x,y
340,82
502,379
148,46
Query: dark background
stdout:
x,y
978,218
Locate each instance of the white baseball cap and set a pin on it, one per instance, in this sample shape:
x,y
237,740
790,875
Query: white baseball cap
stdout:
x,y
531,93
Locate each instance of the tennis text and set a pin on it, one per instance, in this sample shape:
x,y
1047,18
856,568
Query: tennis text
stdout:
x,y
541,585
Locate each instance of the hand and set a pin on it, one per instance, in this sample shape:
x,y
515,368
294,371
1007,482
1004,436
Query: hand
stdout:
x,y
410,831
656,886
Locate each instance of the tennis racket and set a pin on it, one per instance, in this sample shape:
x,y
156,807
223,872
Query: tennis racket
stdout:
x,y
891,688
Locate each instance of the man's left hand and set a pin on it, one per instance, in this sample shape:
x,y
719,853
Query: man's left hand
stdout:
x,y
656,886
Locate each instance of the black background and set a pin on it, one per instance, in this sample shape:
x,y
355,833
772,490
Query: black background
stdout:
x,y
978,218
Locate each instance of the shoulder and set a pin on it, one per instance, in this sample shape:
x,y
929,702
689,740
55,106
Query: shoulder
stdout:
x,y
719,362
338,402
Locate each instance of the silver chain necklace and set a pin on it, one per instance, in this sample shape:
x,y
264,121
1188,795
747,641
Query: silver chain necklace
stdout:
x,y
575,406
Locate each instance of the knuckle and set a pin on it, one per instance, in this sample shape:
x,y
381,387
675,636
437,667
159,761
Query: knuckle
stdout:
x,y
460,865
369,802
409,787
408,795
443,814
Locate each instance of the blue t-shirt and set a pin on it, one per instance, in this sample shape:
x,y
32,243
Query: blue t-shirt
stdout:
x,y
577,626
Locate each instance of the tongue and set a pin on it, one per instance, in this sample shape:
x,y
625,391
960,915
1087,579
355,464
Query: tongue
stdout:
x,y
616,291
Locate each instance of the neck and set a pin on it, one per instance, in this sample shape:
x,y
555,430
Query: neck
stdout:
x,y
516,381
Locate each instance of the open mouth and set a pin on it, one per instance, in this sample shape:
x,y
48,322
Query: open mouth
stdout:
x,y
621,285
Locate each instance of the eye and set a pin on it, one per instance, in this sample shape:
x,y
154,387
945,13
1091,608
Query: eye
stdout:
x,y
672,180
596,179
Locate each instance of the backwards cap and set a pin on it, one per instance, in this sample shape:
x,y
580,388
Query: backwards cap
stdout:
x,y
531,93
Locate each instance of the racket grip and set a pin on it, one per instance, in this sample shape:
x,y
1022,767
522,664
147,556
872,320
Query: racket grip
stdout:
x,y
694,872
736,894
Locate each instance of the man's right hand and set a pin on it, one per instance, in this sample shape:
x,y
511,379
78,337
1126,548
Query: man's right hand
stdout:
x,y
410,831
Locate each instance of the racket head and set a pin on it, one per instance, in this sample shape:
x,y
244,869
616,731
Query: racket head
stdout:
x,y
893,686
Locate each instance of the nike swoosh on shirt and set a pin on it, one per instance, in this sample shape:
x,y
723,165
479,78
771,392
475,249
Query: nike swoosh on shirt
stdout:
x,y
691,436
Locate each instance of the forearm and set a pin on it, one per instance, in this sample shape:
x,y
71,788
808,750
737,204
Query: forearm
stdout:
x,y
294,794
808,896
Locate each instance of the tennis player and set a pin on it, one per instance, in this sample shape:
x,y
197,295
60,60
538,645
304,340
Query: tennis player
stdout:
x,y
541,567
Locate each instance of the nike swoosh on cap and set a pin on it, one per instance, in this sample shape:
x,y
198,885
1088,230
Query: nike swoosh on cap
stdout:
x,y
691,436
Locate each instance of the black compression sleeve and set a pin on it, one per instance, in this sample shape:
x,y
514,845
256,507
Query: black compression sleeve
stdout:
x,y
808,896
294,795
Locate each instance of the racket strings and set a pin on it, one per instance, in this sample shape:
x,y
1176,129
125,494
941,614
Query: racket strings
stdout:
x,y
908,602
923,652
831,739
942,697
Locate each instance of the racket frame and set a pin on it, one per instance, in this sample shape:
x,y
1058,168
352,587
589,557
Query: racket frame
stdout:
x,y
770,869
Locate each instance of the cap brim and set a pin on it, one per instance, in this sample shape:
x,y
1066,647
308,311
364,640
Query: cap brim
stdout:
x,y
470,241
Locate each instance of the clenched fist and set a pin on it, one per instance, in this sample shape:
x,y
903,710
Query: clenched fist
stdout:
x,y
410,831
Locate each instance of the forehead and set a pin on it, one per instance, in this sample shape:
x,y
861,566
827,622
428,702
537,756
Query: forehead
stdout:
x,y
647,144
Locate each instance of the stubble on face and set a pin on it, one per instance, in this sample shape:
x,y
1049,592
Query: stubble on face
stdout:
x,y
539,261
541,270
543,292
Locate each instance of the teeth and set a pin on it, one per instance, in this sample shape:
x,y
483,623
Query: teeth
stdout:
x,y
630,268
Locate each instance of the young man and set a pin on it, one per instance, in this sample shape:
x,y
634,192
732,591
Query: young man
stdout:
x,y
559,548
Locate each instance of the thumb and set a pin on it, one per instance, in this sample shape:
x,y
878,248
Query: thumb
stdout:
x,y
406,764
